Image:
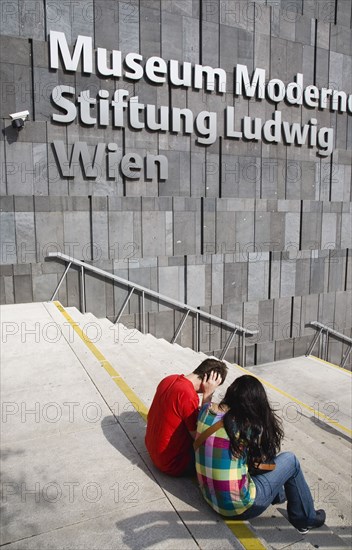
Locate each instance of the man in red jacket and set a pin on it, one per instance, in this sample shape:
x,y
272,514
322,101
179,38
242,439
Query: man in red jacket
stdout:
x,y
172,417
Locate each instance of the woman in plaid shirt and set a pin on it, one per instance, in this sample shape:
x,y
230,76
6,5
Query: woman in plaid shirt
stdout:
x,y
250,431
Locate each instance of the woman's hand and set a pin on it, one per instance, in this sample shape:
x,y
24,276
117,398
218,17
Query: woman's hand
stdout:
x,y
209,384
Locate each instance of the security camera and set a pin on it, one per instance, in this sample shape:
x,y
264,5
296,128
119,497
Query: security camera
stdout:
x,y
18,119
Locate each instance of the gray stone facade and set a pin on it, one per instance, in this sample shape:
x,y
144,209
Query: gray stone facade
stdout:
x,y
257,233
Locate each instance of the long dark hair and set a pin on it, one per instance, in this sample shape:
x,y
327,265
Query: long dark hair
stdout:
x,y
250,422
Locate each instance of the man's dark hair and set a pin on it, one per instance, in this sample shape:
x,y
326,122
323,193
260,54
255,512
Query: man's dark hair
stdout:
x,y
211,365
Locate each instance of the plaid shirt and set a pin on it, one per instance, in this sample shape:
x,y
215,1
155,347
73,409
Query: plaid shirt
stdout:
x,y
224,481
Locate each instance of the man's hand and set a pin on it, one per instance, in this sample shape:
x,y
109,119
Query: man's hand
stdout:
x,y
209,385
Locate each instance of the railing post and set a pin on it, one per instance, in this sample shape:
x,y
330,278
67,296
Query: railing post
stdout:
x,y
197,332
243,349
326,348
83,291
60,282
227,345
345,357
180,326
314,341
127,299
322,345
143,313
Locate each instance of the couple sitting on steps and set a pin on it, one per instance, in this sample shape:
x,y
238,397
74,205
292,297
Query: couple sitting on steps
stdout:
x,y
233,446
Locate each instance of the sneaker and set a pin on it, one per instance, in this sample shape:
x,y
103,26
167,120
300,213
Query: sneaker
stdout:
x,y
319,521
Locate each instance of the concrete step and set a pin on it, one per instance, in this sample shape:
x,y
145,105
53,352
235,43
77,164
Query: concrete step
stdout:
x,y
324,451
137,355
275,529
171,356
203,525
315,382
301,437
302,433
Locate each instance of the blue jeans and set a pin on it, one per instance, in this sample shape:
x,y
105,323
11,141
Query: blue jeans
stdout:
x,y
286,480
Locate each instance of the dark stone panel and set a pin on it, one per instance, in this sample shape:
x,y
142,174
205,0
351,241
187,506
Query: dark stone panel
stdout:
x,y
6,271
303,30
212,331
318,274
311,230
10,18
22,269
19,167
265,320
341,39
301,345
308,63
324,11
32,19
23,204
23,88
73,288
292,6
3,299
322,67
284,349
279,68
8,89
34,131
14,50
40,54
163,325
242,14
343,14
171,36
186,231
44,82
294,60
210,43
150,31
343,315
23,289
190,40
178,182
211,11
229,47
40,163
282,318
129,26
302,276
82,18
95,295
337,270
265,352
326,309
235,282
7,204
198,167
58,17
57,184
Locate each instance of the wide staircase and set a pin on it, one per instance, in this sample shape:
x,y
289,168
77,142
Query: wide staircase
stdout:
x,y
75,473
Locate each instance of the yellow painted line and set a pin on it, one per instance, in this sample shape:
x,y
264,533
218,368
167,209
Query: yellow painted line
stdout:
x,y
129,393
243,533
330,364
245,536
313,411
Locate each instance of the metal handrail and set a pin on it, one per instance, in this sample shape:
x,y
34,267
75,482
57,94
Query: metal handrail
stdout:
x,y
153,294
322,334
